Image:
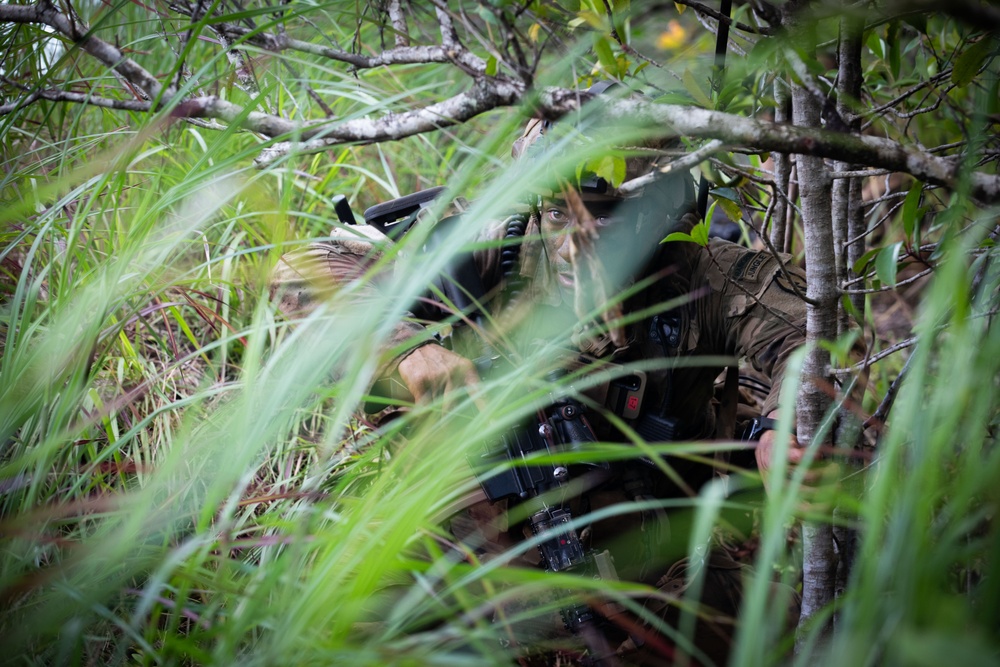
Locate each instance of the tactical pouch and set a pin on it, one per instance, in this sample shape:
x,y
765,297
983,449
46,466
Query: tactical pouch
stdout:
x,y
563,549
654,428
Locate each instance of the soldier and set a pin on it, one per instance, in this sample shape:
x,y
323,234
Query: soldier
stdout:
x,y
722,300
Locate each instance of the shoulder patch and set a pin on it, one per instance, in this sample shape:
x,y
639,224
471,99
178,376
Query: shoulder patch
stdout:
x,y
797,284
748,266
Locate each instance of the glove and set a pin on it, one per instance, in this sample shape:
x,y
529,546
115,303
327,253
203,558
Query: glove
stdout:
x,y
820,470
431,371
765,448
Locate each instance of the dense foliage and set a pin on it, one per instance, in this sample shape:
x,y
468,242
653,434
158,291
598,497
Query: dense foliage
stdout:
x,y
184,477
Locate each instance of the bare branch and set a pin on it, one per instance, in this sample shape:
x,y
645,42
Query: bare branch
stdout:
x,y
452,111
719,16
692,122
982,15
79,98
113,58
910,91
398,21
689,161
449,38
765,136
236,57
778,235
407,55
512,41
491,92
625,46
860,173
829,112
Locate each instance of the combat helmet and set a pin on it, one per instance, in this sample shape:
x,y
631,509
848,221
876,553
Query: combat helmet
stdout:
x,y
641,161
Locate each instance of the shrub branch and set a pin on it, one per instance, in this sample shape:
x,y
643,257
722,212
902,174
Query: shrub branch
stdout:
x,y
485,94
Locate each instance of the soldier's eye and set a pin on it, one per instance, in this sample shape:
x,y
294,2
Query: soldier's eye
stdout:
x,y
557,216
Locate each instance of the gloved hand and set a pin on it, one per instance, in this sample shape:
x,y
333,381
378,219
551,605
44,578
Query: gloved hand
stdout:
x,y
765,449
820,470
431,371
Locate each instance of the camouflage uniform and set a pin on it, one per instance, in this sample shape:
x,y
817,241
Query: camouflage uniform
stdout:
x,y
742,304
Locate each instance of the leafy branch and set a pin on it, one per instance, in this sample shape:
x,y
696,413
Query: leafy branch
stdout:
x,y
487,92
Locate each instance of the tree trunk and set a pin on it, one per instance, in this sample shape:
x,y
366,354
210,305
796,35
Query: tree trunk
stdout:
x,y
848,211
849,224
819,561
782,172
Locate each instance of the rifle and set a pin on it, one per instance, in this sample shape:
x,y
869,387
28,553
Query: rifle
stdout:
x,y
562,426
500,466
504,467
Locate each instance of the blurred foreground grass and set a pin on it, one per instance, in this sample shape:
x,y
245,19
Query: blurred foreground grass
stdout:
x,y
184,480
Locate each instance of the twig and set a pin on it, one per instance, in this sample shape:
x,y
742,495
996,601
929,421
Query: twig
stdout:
x,y
408,55
398,20
886,288
687,162
106,53
860,173
621,42
719,16
79,98
877,111
319,137
497,91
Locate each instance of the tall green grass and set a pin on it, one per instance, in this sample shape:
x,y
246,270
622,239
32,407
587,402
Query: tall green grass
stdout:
x,y
185,481
184,477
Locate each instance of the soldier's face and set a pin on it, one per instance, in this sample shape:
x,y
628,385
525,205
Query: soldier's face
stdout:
x,y
560,227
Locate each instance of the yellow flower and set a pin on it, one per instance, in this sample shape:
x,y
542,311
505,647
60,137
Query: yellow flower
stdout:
x,y
672,38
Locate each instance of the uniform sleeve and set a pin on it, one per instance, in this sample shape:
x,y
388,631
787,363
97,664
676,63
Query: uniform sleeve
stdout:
x,y
305,277
488,256
757,307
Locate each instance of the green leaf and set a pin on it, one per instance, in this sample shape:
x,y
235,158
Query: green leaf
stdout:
x,y
699,235
876,45
694,88
605,56
731,209
618,173
840,349
910,204
610,167
892,38
726,193
969,62
729,92
675,98
491,66
763,52
812,64
864,260
678,236
488,16
887,263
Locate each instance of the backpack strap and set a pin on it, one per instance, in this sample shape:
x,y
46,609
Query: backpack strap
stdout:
x,y
725,425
